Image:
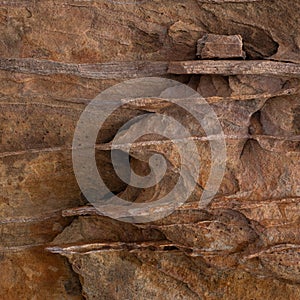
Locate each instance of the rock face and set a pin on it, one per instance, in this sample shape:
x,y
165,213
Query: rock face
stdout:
x,y
220,46
55,57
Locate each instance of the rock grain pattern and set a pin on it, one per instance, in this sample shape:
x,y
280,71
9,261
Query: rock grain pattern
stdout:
x,y
56,56
220,46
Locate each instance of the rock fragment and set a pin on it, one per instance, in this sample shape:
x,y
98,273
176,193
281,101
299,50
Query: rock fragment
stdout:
x,y
220,46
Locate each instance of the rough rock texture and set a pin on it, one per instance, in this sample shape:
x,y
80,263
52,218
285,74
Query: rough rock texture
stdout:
x,y
220,46
55,57
231,67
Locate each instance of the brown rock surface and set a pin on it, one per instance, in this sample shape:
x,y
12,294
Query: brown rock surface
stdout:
x,y
55,57
220,46
232,67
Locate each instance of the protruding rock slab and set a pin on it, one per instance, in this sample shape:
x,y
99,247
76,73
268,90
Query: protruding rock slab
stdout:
x,y
234,67
220,46
111,70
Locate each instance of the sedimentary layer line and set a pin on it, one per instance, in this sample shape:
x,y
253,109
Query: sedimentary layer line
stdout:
x,y
235,67
222,203
141,145
17,3
134,69
110,70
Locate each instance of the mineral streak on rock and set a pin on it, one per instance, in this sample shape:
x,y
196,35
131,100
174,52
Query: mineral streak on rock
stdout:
x,y
220,46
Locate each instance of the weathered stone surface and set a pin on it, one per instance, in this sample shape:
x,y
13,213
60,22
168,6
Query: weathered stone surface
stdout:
x,y
98,71
251,84
232,67
220,46
214,85
103,229
248,216
57,56
135,273
36,274
96,40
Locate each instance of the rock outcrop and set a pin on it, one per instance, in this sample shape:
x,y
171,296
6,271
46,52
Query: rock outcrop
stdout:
x,y
55,57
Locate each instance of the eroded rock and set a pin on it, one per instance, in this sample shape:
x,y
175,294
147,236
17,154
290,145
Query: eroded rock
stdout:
x,y
56,57
220,46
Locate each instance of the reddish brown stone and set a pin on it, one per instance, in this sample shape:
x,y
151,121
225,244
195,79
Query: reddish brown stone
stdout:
x,y
55,56
220,46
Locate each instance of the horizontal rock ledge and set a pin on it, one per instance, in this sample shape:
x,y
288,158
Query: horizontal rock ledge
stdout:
x,y
232,202
235,67
110,70
133,69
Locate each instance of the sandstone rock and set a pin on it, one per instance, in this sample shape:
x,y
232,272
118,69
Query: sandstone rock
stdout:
x,y
220,46
251,84
57,56
35,274
213,85
120,273
231,67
